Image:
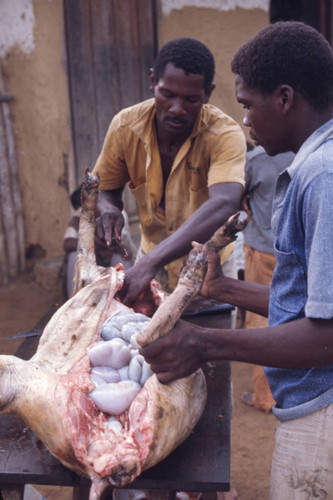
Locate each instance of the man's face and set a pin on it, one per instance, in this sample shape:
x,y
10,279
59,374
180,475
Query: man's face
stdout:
x,y
178,100
264,116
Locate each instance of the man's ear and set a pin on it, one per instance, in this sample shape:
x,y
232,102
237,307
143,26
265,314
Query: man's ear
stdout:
x,y
210,90
151,79
286,96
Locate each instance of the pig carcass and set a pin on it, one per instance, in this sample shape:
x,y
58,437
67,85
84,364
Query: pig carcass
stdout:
x,y
52,391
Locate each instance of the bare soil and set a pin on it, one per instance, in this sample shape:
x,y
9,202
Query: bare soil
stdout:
x,y
24,302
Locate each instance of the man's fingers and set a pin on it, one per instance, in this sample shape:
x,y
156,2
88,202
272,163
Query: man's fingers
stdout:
x,y
127,301
99,228
126,297
118,227
197,246
107,225
165,377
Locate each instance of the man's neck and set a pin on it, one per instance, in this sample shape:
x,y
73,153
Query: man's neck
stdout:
x,y
309,122
167,140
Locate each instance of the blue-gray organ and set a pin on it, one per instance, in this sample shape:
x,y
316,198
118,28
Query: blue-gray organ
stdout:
x,y
118,370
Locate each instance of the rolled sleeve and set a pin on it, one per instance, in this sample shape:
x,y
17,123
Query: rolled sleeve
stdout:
x,y
228,158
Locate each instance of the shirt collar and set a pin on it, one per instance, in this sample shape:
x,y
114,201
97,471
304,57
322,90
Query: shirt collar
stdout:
x,y
143,126
310,145
200,123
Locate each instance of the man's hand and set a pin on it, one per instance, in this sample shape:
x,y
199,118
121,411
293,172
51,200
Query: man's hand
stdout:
x,y
137,280
110,220
100,244
176,355
109,225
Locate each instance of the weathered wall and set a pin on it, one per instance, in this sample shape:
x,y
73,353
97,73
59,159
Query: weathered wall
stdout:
x,y
34,67
33,61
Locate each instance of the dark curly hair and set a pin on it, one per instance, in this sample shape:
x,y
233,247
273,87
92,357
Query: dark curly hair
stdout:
x,y
189,55
76,198
291,53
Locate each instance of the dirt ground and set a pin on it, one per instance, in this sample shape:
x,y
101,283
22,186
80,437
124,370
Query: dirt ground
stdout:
x,y
24,302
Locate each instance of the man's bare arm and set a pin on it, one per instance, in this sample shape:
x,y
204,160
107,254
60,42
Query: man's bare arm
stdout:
x,y
244,294
223,202
303,343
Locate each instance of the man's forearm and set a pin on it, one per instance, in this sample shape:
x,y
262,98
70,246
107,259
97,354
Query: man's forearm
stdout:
x,y
303,343
243,294
200,226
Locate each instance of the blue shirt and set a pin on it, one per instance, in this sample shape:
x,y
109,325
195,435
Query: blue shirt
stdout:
x,y
302,284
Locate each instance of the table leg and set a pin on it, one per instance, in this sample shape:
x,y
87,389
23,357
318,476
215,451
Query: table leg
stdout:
x,y
12,492
81,492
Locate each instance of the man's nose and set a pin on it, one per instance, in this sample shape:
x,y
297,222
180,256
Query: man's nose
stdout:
x,y
177,107
246,121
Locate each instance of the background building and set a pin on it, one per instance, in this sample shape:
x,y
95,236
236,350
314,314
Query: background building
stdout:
x,y
67,66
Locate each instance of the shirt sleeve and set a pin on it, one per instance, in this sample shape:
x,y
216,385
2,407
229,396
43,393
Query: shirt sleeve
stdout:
x,y
228,157
318,228
111,165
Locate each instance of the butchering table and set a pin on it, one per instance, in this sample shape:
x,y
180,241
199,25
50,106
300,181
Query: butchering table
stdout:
x,y
200,463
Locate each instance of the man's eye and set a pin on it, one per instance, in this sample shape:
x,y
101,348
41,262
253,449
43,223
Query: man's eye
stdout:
x,y
167,95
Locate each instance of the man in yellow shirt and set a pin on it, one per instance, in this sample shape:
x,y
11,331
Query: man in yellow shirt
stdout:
x,y
182,159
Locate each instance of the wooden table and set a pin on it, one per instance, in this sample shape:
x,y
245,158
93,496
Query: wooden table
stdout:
x,y
201,463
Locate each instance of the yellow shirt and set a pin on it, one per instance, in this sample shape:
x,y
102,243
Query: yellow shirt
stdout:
x,y
213,153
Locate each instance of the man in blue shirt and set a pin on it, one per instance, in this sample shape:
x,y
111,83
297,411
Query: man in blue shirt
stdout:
x,y
284,80
261,173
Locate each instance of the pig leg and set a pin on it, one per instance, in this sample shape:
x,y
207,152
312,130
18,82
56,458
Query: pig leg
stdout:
x,y
189,283
86,269
227,233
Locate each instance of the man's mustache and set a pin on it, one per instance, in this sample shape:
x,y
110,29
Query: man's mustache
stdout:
x,y
175,120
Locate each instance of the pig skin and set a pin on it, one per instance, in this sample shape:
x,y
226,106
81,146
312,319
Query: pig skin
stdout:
x,y
55,382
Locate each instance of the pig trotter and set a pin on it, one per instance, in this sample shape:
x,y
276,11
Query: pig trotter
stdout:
x,y
227,233
89,191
